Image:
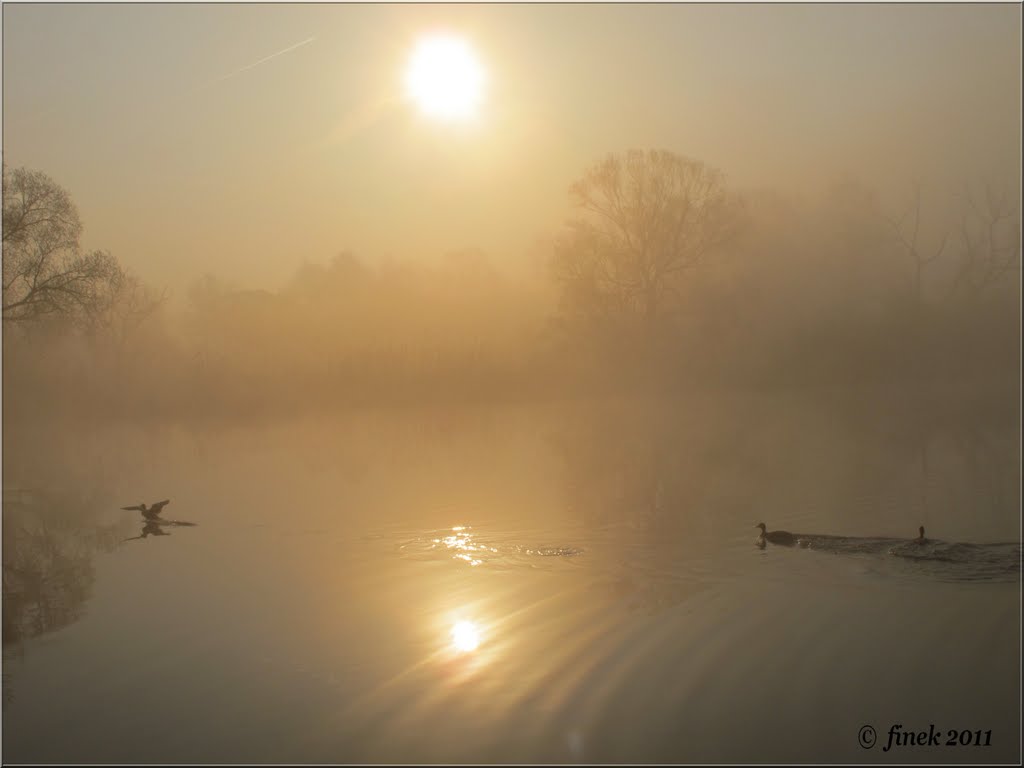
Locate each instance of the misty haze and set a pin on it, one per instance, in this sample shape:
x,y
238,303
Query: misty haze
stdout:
x,y
511,383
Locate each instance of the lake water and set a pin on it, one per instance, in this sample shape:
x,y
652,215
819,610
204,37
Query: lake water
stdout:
x,y
557,584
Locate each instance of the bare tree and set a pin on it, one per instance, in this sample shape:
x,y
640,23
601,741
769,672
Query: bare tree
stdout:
x,y
645,218
124,303
44,271
907,229
989,241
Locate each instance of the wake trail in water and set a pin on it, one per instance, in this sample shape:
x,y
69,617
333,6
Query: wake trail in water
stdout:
x,y
956,561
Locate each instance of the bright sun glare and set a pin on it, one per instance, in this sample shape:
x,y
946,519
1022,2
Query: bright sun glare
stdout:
x,y
465,636
445,79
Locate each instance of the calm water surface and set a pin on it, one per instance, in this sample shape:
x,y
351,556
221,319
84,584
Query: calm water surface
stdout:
x,y
574,585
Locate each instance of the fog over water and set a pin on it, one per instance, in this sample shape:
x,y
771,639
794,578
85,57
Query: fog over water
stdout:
x,y
606,555
469,465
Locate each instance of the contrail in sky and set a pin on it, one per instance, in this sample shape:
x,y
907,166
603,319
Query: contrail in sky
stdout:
x,y
263,60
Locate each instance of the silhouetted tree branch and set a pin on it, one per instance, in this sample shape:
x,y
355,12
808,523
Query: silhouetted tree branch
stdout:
x,y
44,271
907,236
989,241
124,304
645,218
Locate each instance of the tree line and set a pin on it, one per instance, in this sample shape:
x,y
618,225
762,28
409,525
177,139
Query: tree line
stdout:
x,y
662,275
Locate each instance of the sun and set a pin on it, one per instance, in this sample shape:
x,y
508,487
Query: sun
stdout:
x,y
445,79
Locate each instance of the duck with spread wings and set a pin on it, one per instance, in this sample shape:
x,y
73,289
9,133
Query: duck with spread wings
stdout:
x,y
152,513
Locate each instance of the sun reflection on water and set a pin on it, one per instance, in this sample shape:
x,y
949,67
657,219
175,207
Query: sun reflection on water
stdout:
x,y
465,636
462,541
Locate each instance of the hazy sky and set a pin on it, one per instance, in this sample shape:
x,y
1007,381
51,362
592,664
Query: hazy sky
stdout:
x,y
183,158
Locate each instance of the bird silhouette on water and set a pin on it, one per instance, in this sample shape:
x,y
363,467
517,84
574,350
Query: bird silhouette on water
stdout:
x,y
152,512
783,538
151,528
153,519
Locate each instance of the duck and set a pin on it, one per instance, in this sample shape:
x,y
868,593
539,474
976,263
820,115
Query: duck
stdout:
x,y
785,538
152,512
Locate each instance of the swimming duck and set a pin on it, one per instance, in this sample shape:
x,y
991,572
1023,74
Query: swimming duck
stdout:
x,y
785,538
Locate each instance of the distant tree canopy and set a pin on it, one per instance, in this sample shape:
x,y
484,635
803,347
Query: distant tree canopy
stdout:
x,y
644,219
46,275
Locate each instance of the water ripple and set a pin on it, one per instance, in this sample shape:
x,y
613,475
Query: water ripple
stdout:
x,y
461,543
943,560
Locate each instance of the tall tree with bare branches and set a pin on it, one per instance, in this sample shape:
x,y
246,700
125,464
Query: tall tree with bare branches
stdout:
x,y
907,231
45,272
989,241
644,218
